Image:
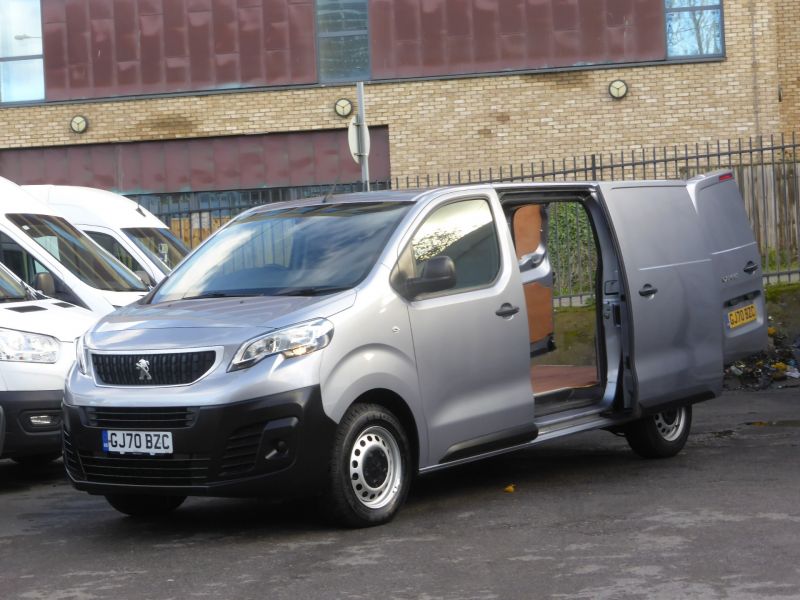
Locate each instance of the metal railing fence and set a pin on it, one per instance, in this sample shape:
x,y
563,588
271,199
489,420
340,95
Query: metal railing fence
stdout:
x,y
766,169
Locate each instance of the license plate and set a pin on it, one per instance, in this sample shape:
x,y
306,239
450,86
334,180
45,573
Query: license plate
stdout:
x,y
742,316
137,442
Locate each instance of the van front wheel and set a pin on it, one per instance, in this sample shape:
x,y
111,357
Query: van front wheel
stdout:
x,y
661,435
370,468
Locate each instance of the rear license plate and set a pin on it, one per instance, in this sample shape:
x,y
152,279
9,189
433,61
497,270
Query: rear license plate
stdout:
x,y
137,442
742,316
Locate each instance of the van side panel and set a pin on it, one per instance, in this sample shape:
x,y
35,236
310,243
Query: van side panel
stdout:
x,y
736,260
676,346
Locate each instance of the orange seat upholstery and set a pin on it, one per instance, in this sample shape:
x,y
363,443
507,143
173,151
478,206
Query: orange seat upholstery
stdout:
x,y
527,225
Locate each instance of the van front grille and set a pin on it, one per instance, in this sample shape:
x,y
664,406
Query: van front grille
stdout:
x,y
178,368
71,461
173,470
140,418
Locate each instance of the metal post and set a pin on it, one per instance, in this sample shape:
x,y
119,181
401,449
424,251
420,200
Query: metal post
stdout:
x,y
363,158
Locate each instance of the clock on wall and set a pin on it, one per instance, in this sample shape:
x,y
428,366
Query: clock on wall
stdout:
x,y
79,124
618,89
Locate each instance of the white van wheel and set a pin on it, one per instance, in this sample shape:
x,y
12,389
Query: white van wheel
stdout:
x,y
661,435
370,467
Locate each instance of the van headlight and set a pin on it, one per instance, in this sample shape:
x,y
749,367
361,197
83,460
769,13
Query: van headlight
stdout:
x,y
80,355
21,346
297,340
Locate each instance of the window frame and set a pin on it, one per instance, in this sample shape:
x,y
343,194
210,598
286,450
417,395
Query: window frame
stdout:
x,y
406,251
318,35
718,5
40,56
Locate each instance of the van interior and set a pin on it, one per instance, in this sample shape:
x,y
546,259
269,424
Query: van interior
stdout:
x,y
557,246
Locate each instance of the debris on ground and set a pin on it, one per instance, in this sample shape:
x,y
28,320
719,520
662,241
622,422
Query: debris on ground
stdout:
x,y
510,489
776,367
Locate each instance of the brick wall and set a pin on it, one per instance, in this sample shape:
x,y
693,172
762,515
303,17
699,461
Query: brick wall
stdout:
x,y
488,121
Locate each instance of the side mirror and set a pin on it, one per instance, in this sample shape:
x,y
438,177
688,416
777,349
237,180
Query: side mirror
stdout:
x,y
44,283
438,274
145,277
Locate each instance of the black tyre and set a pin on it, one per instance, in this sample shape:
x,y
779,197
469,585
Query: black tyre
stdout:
x,y
661,435
37,460
370,468
138,505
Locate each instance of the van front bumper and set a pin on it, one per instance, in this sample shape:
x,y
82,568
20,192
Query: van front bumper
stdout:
x,y
26,437
274,446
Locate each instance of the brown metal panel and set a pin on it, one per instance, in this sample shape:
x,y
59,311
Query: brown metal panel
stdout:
x,y
128,80
129,167
540,28
226,163
513,51
407,20
160,171
459,17
104,167
79,80
176,72
125,31
175,163
55,67
302,49
648,30
618,12
78,30
101,9
276,25
592,31
226,70
381,36
225,26
251,40
276,64
175,36
225,154
103,53
434,35
201,69
485,31
512,16
151,39
56,166
31,169
198,5
54,11
277,169
151,7
565,15
251,164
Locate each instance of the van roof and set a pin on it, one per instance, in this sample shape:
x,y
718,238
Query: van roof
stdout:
x,y
14,199
91,206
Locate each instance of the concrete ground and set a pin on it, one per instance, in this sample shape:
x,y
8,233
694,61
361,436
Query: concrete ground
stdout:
x,y
588,519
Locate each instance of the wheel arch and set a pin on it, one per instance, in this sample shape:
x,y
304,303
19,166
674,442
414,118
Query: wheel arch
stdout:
x,y
394,403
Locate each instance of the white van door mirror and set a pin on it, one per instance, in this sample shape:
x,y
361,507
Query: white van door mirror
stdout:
x,y
44,283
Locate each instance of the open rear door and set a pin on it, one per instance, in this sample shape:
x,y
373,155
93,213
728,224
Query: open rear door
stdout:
x,y
674,346
741,311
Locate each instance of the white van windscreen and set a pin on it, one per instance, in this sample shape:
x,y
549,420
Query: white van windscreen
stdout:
x,y
87,261
10,289
163,248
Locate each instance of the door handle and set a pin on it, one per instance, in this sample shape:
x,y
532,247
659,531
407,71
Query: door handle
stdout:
x,y
506,310
647,291
750,267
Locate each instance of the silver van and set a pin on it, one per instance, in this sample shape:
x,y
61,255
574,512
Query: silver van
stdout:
x,y
338,346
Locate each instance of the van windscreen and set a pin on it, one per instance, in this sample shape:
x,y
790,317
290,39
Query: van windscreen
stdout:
x,y
302,250
10,288
163,248
87,261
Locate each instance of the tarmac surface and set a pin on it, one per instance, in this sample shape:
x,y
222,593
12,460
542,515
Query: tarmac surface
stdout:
x,y
587,519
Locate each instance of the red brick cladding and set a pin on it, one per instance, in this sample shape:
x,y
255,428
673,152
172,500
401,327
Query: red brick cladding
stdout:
x,y
414,38
101,48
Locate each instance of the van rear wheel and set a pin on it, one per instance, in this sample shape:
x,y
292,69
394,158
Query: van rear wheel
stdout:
x,y
140,505
661,435
370,469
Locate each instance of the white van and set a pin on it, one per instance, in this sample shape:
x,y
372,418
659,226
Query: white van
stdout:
x,y
51,255
132,234
37,339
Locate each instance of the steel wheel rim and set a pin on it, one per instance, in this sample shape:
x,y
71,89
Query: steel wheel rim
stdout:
x,y
670,423
376,468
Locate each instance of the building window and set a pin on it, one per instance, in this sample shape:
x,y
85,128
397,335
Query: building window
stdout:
x,y
694,28
21,64
343,40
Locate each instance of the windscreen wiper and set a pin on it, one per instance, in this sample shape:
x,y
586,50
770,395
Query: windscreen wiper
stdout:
x,y
311,291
